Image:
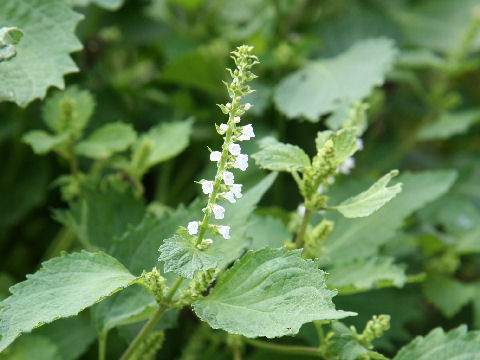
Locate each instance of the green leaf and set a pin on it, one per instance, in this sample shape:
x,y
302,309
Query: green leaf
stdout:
x,y
43,54
449,124
447,294
438,24
106,4
314,89
168,140
99,217
369,201
181,256
33,347
277,288
63,287
345,143
354,239
362,275
455,344
9,37
282,157
42,142
266,232
344,343
107,140
79,105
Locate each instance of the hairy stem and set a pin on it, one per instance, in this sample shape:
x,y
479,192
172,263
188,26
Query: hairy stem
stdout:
x,y
102,346
286,349
303,228
142,335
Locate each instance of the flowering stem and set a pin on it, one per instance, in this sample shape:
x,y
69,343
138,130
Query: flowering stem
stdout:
x,y
303,228
152,321
218,178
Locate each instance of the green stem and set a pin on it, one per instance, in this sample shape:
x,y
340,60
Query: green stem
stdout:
x,y
102,346
321,337
141,336
286,349
303,228
237,355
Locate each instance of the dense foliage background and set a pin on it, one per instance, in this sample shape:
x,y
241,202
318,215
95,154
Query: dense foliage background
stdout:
x,y
152,62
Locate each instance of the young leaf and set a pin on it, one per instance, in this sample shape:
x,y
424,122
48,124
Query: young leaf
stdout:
x,y
270,292
168,139
9,37
354,239
345,143
42,142
63,287
282,157
449,124
107,140
43,53
80,105
372,199
181,256
455,344
363,275
314,89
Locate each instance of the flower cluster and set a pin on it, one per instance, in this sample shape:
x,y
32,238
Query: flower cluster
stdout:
x,y
230,157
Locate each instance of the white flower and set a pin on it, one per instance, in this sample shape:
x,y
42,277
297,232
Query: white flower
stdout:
x,y
247,133
228,106
359,144
331,180
301,210
347,166
229,196
320,189
223,128
236,119
234,149
236,189
215,156
207,242
207,186
193,227
224,231
228,178
241,162
248,106
218,212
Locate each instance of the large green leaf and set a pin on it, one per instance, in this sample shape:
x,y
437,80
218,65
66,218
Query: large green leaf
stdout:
x,y
364,275
63,287
269,293
455,344
314,89
360,238
167,140
449,124
107,4
43,54
180,255
107,140
33,347
282,157
369,201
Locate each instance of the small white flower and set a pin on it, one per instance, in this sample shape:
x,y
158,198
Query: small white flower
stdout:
x,y
234,149
236,189
241,162
347,166
215,156
223,128
359,144
193,227
301,210
236,119
248,106
247,133
207,242
228,178
218,212
230,196
207,186
320,189
331,180
224,231
228,106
